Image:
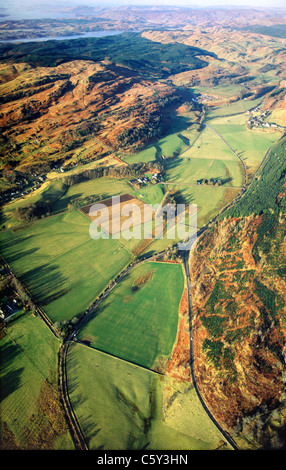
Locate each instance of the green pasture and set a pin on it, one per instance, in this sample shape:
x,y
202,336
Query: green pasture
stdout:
x,y
182,134
152,194
190,170
58,195
146,155
164,147
222,91
101,187
122,406
209,145
28,357
139,325
237,107
250,144
61,265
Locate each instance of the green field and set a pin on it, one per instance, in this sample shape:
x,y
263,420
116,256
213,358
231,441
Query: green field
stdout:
x,y
182,134
209,156
252,144
151,195
188,171
209,145
62,267
237,107
120,406
28,358
58,196
222,91
101,187
139,325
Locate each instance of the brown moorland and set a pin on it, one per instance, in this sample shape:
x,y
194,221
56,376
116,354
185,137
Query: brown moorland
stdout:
x,y
239,327
76,112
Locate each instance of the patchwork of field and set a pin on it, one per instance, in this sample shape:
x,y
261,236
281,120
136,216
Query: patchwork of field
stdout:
x,y
60,196
134,408
29,359
62,266
132,332
250,144
137,322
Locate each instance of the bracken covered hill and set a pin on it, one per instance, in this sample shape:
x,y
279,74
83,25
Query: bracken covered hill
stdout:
x,y
76,111
76,101
239,311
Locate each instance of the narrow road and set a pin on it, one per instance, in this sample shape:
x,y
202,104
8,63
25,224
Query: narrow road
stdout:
x,y
74,427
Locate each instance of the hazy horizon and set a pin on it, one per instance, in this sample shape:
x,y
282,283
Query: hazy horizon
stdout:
x,y
52,5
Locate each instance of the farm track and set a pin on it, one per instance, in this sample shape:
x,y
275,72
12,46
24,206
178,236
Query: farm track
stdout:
x,y
74,427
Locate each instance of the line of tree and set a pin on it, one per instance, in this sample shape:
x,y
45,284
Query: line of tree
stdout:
x,y
128,171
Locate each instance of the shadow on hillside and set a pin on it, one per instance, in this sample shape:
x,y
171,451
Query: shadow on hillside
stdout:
x,y
63,202
45,282
11,379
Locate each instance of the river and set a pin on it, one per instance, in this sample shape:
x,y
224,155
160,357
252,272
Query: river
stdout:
x,y
90,34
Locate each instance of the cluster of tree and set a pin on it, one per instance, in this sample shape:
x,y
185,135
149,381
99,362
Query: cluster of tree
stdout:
x,y
24,297
83,201
32,211
65,327
154,127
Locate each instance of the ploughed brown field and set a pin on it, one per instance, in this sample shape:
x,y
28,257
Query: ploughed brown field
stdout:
x,y
113,213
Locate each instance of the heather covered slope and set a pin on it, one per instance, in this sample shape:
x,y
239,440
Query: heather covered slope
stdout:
x,y
75,113
239,310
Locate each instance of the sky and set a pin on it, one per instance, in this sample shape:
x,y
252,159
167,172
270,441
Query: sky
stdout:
x,y
212,3
25,9
200,3
190,3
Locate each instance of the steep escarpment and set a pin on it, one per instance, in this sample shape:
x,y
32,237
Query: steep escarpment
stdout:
x,y
239,311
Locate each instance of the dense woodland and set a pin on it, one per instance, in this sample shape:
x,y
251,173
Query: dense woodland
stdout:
x,y
267,191
129,49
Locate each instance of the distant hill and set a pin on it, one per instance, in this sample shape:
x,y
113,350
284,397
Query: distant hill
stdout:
x,y
276,31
